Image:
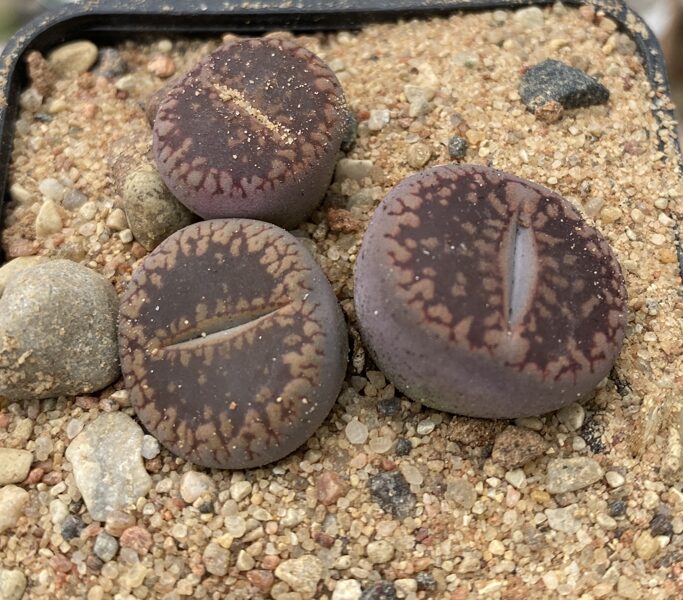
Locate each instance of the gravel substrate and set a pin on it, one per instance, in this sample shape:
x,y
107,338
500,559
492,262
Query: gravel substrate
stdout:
x,y
387,499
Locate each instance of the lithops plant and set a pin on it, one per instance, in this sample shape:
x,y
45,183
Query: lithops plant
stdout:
x,y
482,294
252,131
232,343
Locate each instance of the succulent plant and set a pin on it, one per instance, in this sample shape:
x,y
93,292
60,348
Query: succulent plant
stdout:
x,y
232,343
485,295
252,131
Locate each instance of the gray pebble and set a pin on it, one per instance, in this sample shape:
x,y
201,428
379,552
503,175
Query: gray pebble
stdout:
x,y
110,64
571,474
457,147
392,492
73,200
57,332
12,584
153,213
105,546
106,458
562,519
350,132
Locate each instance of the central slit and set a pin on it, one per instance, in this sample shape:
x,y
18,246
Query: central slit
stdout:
x,y
219,327
522,272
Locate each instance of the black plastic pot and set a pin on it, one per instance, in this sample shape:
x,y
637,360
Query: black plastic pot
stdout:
x,y
96,20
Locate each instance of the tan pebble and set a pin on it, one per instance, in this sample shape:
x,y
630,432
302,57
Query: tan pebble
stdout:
x,y
14,465
48,220
330,487
240,490
627,588
13,499
610,214
380,552
117,522
244,561
161,66
73,58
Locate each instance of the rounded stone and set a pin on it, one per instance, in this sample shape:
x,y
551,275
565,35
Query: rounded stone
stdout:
x,y
482,294
252,131
232,343
153,213
57,332
73,58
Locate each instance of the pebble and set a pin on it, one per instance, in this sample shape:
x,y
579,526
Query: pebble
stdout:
x,y
645,545
379,118
150,447
627,588
496,547
661,522
236,526
71,527
301,574
617,508
105,546
13,499
350,133
117,522
117,220
244,561
356,432
329,488
153,213
614,479
533,423
382,590
51,189
425,427
74,200
137,538
73,58
48,219
403,447
63,342
606,522
347,589
461,492
457,147
380,552
240,490
107,464
418,155
216,559
58,511
110,64
425,582
516,478
12,584
412,474
419,108
552,80
351,168
392,492
194,485
530,17
162,66
562,519
73,428
516,446
571,416
15,266
571,474
381,444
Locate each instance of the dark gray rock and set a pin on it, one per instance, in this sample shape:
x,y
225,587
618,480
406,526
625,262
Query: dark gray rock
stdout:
x,y
457,147
392,492
554,80
382,590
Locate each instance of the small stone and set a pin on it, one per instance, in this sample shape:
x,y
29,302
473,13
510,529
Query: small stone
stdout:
x,y
614,479
412,474
617,508
606,522
150,447
73,58
58,511
627,588
496,547
418,155
194,485
571,474
457,147
380,552
461,492
351,168
74,200
59,343
261,579
301,574
16,266
392,492
107,464
350,132
530,17
555,80
153,213
379,118
51,189
117,220
425,427
516,478
347,589
48,219
403,446
137,538
12,584
356,432
645,545
389,407
425,582
40,73
13,500
236,526
516,446
330,487
419,108
571,416
110,64
117,522
382,590
549,112
244,561
162,66
216,559
21,195
661,522
14,465
105,546
240,490
562,519
71,527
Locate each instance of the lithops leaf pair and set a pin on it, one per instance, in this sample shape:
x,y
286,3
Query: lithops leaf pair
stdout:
x,y
232,343
252,131
485,295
